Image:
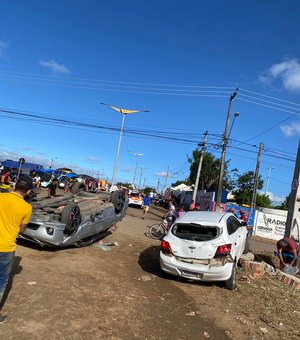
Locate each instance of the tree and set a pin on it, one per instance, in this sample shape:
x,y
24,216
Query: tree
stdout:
x,y
285,204
210,171
263,201
244,187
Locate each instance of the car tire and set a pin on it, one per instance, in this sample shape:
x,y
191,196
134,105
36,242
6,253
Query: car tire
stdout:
x,y
77,187
231,282
71,217
118,199
247,247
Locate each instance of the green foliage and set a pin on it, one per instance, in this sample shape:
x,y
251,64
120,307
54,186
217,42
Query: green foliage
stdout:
x,y
210,171
284,205
186,182
263,201
244,187
148,189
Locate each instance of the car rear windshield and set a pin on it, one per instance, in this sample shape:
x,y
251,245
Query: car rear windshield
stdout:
x,y
135,194
195,232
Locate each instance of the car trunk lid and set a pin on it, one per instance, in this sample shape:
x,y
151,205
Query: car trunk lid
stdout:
x,y
196,241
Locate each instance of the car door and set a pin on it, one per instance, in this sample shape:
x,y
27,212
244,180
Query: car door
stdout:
x,y
236,235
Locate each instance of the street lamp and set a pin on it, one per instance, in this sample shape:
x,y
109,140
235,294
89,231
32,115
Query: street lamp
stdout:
x,y
225,141
124,112
141,174
52,161
136,164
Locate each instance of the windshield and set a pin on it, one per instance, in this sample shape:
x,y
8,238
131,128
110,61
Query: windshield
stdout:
x,y
135,194
195,232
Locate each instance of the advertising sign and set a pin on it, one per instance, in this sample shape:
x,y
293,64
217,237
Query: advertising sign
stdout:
x,y
206,201
270,226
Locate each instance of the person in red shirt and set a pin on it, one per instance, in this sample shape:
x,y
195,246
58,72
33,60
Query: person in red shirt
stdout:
x,y
243,215
287,245
192,205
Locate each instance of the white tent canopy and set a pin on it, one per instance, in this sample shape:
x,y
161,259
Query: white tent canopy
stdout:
x,y
182,187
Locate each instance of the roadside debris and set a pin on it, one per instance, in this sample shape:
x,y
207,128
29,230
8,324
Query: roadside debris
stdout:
x,y
31,283
191,313
144,278
105,246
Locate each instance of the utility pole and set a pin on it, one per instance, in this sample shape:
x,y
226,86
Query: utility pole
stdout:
x,y
253,201
158,182
199,166
225,141
166,180
268,178
294,201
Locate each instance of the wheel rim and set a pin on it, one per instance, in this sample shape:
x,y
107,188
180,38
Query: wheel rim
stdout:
x,y
74,218
120,202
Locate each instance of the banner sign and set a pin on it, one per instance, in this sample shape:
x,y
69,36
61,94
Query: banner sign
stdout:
x,y
270,226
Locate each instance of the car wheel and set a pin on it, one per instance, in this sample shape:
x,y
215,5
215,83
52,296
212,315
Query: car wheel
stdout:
x,y
231,282
87,241
118,199
77,187
71,217
157,231
247,247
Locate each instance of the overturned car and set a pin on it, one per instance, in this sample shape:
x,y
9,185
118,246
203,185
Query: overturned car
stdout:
x,y
74,219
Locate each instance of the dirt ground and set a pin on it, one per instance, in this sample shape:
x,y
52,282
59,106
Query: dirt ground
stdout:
x,y
88,293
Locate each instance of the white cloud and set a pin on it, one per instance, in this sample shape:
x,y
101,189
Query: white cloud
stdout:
x,y
275,199
287,72
291,129
164,174
92,160
55,67
2,48
126,170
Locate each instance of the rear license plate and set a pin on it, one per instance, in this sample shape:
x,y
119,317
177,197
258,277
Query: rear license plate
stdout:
x,y
191,274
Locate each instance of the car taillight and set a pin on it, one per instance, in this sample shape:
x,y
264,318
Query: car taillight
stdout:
x,y
223,250
165,247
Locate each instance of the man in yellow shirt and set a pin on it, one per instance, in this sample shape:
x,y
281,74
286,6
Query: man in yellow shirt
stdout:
x,y
15,214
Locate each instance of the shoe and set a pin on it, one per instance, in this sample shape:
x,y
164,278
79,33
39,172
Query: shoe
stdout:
x,y
4,318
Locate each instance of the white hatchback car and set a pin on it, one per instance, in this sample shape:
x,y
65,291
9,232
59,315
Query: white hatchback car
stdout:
x,y
204,246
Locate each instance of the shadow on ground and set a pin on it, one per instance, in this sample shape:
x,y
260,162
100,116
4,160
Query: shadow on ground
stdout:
x,y
149,262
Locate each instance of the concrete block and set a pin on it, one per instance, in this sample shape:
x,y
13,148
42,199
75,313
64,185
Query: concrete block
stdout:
x,y
254,266
288,280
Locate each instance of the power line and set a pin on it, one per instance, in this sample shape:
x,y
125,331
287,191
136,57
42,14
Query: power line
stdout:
x,y
142,133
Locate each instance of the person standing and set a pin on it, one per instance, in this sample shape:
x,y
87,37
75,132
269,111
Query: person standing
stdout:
x,y
192,205
52,188
243,215
15,214
146,205
5,182
151,195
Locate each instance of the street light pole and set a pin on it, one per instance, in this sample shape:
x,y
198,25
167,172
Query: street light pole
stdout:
x,y
124,112
199,167
225,141
136,164
118,151
268,178
142,170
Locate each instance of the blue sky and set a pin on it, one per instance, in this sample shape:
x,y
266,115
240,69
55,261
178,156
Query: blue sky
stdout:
x,y
179,60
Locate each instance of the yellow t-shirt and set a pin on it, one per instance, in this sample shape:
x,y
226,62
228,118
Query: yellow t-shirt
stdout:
x,y
14,211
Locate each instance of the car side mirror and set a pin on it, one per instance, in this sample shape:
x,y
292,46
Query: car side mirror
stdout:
x,y
244,224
